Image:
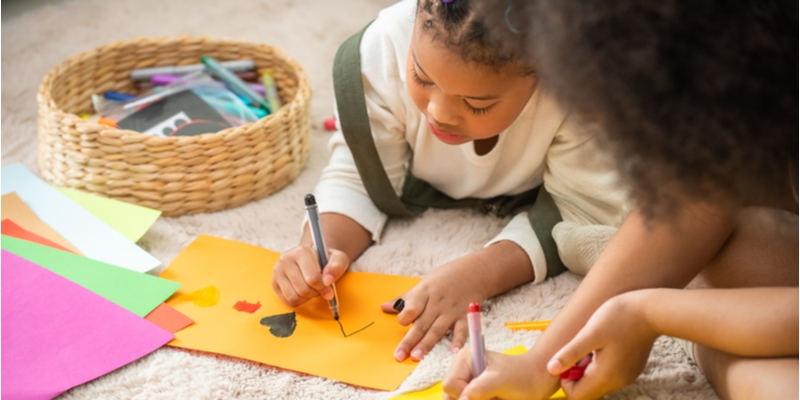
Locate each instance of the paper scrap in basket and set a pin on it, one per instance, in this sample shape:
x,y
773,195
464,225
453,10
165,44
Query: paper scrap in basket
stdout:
x,y
59,335
217,274
88,233
436,392
136,292
15,209
131,220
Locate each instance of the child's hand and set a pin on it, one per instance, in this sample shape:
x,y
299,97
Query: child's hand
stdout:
x,y
621,339
297,277
436,305
506,377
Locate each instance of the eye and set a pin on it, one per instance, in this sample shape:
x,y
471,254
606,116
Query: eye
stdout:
x,y
478,111
419,80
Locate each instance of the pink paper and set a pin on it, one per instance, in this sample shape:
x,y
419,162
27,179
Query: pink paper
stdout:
x,y
59,335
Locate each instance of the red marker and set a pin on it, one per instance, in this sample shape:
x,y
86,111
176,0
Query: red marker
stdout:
x,y
330,124
476,339
576,372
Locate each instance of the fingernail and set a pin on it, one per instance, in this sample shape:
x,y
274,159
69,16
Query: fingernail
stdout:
x,y
328,279
417,355
400,355
399,305
455,349
554,366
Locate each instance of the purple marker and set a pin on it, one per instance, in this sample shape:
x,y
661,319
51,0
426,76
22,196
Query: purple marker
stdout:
x,y
166,79
476,339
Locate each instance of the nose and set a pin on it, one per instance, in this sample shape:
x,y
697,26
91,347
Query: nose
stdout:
x,y
441,109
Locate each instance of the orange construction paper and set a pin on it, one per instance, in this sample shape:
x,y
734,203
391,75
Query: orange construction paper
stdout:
x,y
315,344
168,318
15,209
9,228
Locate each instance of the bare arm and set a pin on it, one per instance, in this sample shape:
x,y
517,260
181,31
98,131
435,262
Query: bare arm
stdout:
x,y
341,233
638,257
746,322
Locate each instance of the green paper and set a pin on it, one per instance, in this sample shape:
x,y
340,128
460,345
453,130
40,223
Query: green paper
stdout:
x,y
139,293
131,220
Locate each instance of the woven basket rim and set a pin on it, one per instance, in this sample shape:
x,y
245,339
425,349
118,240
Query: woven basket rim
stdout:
x,y
45,86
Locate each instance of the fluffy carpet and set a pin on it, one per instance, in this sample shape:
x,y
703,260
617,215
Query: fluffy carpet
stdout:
x,y
309,31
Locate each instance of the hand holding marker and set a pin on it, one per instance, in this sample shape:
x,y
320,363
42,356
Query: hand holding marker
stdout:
x,y
319,245
476,339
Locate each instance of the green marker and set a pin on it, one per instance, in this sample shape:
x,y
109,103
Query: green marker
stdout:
x,y
234,82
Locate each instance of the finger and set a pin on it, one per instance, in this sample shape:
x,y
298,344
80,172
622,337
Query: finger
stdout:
x,y
394,306
460,333
308,264
276,287
458,375
414,304
435,333
593,385
412,337
571,353
298,291
483,387
338,262
289,296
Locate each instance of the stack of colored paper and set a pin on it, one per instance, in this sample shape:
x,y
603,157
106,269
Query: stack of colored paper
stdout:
x,y
73,290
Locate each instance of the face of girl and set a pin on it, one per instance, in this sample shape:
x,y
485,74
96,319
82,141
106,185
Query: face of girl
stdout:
x,y
463,101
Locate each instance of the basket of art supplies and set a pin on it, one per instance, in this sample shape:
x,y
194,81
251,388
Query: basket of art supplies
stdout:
x,y
164,147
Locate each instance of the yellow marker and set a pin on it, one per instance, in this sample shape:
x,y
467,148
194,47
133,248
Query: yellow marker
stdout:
x,y
528,326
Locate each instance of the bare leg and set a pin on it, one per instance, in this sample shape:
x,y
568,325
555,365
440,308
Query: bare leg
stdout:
x,y
763,251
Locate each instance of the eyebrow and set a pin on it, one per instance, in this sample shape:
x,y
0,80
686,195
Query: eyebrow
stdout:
x,y
414,56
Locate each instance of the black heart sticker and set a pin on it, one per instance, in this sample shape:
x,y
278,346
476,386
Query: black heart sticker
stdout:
x,y
281,325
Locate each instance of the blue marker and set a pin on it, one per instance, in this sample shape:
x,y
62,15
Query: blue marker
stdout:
x,y
117,96
237,85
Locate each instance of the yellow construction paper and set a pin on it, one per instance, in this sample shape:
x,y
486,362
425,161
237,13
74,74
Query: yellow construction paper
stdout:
x,y
131,220
316,345
436,392
14,208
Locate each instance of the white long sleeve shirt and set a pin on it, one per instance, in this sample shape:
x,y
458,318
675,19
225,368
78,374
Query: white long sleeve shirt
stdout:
x,y
544,145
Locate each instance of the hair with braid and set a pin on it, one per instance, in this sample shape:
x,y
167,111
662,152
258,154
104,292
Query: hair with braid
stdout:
x,y
457,26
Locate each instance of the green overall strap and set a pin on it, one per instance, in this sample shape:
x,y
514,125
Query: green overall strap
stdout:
x,y
544,216
354,122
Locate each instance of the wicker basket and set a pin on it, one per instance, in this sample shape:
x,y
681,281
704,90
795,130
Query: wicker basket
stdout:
x,y
178,175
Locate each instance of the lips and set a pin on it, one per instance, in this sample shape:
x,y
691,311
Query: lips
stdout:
x,y
446,137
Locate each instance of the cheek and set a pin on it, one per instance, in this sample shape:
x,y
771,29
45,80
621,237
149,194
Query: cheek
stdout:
x,y
491,124
418,95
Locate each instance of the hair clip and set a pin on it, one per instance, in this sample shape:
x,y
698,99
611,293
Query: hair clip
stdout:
x,y
448,1
508,22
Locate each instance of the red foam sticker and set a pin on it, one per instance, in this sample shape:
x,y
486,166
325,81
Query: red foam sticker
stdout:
x,y
244,306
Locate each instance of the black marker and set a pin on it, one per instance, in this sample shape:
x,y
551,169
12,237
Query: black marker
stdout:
x,y
319,244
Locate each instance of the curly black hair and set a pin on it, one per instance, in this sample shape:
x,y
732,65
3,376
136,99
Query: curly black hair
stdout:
x,y
702,94
460,28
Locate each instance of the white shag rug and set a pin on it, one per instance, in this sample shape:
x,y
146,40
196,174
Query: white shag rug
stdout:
x,y
309,31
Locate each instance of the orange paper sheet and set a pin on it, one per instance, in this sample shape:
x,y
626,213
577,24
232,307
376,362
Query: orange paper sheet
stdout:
x,y
9,228
15,209
168,318
217,273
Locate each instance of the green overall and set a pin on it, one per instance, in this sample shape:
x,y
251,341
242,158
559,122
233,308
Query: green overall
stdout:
x,y
418,195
